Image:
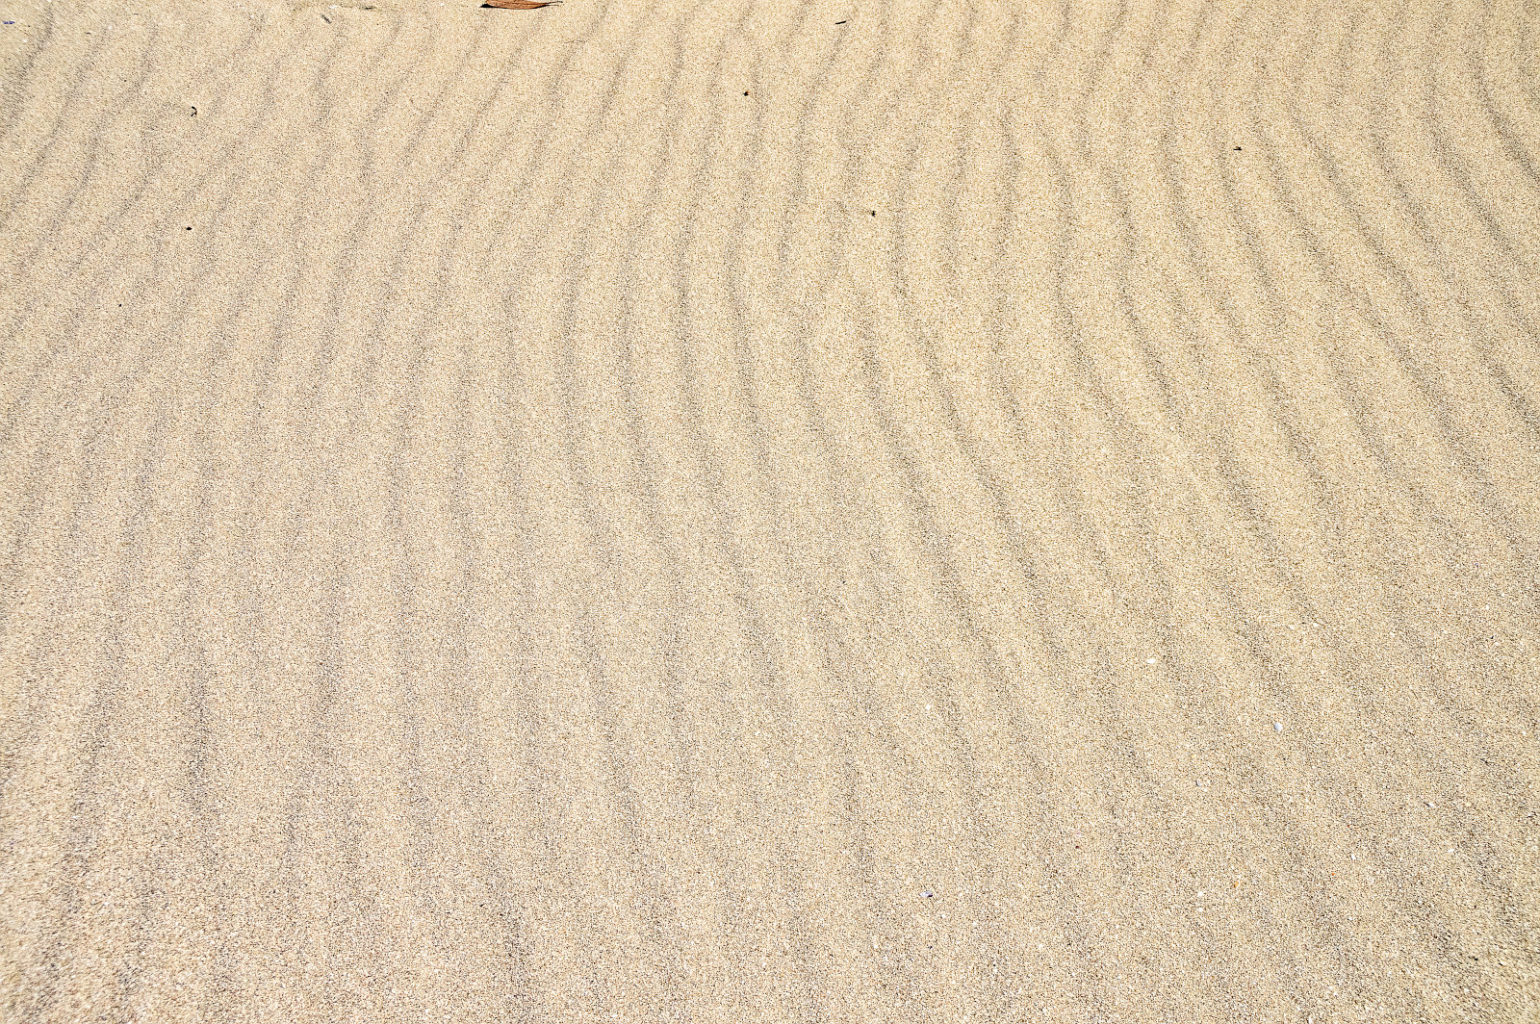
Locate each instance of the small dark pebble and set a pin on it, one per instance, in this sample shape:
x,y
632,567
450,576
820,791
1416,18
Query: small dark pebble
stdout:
x,y
745,92
188,228
874,213
1237,149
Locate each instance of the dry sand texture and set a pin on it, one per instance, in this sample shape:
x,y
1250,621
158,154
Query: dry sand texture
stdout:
x,y
770,511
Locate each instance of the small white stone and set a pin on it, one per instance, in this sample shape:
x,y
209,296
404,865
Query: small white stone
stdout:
x,y
1277,727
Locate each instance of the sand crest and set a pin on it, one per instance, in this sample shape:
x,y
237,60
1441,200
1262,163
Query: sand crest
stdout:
x,y
743,511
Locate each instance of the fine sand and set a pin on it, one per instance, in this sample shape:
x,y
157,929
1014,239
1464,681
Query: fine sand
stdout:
x,y
814,510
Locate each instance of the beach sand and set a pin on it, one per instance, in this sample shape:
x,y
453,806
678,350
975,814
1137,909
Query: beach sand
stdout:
x,y
743,511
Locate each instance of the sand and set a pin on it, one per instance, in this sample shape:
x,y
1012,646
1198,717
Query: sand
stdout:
x,y
744,511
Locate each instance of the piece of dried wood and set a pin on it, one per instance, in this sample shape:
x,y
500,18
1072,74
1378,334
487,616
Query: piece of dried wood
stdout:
x,y
519,5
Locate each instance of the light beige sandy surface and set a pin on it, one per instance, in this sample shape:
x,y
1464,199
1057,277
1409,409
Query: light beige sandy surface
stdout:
x,y
1030,513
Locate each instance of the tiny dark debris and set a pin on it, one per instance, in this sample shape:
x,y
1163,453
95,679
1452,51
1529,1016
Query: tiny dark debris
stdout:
x,y
839,23
745,92
874,213
195,112
188,228
1237,149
